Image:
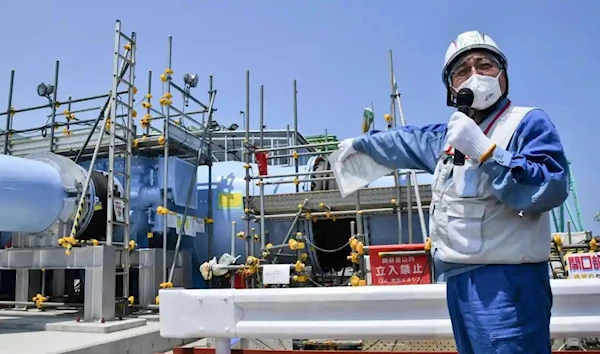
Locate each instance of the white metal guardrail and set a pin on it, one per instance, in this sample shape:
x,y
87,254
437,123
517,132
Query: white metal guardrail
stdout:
x,y
371,312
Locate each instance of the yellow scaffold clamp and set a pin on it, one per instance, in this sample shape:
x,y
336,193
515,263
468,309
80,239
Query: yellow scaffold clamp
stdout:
x,y
165,76
160,210
166,285
67,243
145,121
131,246
130,301
39,300
593,245
251,266
165,100
356,281
295,245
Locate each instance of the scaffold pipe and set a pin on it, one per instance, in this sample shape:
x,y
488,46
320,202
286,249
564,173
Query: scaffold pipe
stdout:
x,y
407,312
31,195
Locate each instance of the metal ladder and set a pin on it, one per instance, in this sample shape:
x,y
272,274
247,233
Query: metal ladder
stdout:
x,y
121,204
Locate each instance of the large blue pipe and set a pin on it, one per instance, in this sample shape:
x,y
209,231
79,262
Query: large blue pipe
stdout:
x,y
31,195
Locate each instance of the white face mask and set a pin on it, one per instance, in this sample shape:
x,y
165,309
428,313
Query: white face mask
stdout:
x,y
486,90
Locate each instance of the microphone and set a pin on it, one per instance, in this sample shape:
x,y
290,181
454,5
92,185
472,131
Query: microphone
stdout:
x,y
464,100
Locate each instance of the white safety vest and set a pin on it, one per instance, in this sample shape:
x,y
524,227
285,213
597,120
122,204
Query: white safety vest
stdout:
x,y
469,225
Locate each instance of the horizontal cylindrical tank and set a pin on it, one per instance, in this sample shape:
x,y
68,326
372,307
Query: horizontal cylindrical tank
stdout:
x,y
31,195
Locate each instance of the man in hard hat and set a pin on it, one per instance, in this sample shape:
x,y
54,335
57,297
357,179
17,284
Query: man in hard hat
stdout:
x,y
489,218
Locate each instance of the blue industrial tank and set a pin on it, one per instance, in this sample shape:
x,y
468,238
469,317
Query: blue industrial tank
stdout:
x,y
146,226
229,189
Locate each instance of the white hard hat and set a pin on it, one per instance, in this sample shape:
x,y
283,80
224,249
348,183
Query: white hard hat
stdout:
x,y
466,42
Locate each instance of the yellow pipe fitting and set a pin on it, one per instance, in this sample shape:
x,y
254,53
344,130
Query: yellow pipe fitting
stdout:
x,y
135,143
304,257
246,166
150,234
298,235
268,246
157,300
328,214
166,285
127,46
359,212
107,123
307,216
133,113
296,181
353,257
387,117
66,131
266,254
314,219
394,202
144,136
360,248
130,300
169,71
300,206
208,220
295,155
241,235
94,242
427,245
161,140
362,282
148,96
163,77
354,280
168,95
134,90
57,104
299,267
322,205
256,237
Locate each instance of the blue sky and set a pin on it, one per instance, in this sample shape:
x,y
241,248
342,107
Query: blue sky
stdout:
x,y
337,50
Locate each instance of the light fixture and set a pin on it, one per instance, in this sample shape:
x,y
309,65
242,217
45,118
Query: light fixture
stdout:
x,y
190,80
45,90
233,127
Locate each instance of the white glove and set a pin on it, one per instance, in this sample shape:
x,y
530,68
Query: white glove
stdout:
x,y
465,136
347,149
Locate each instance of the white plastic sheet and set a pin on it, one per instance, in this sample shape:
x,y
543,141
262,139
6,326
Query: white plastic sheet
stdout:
x,y
355,172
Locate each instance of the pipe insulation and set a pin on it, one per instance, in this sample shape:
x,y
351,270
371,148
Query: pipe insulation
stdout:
x,y
31,194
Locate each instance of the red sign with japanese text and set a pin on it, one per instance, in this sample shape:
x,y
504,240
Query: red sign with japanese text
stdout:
x,y
583,265
398,270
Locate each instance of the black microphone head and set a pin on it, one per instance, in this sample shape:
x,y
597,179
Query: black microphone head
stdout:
x,y
465,97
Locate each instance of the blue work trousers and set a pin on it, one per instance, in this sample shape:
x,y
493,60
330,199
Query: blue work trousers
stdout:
x,y
501,309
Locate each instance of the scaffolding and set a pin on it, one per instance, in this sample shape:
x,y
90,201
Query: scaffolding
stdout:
x,y
116,136
321,201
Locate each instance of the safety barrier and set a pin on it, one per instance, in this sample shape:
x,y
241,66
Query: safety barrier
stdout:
x,y
408,312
